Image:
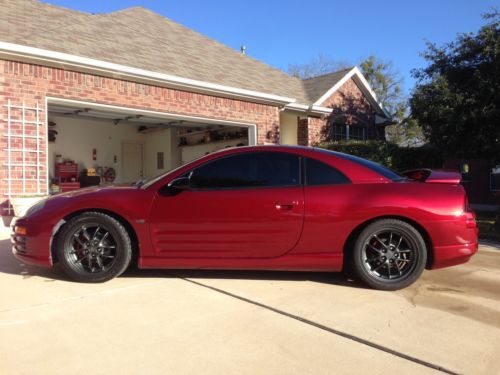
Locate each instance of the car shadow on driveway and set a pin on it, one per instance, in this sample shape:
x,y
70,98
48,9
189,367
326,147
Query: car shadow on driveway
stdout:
x,y
334,278
10,265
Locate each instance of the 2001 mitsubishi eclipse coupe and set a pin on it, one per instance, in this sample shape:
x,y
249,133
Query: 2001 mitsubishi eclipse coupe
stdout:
x,y
261,207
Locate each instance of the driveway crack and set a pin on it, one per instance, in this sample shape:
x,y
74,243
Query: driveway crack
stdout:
x,y
325,328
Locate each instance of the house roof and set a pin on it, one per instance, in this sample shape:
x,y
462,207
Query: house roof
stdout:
x,y
316,87
139,38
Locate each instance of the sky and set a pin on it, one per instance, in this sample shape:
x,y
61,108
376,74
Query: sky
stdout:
x,y
280,33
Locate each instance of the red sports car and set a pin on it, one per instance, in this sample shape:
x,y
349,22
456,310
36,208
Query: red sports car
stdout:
x,y
263,207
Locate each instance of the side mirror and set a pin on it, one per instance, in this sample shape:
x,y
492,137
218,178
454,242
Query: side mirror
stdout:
x,y
181,183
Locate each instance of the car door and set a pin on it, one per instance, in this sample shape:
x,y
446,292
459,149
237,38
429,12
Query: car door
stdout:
x,y
248,204
328,217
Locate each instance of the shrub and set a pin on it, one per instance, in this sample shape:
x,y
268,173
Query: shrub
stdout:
x,y
389,154
426,156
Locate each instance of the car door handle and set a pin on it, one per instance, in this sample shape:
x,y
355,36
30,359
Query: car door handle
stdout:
x,y
285,206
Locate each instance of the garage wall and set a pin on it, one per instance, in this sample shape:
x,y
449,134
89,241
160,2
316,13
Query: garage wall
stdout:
x,y
77,137
158,141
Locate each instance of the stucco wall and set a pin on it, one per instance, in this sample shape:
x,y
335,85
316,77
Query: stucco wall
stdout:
x,y
288,128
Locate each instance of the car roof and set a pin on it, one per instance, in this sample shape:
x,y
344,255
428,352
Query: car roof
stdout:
x,y
345,163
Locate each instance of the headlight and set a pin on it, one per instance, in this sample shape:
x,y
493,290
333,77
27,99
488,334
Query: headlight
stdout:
x,y
35,208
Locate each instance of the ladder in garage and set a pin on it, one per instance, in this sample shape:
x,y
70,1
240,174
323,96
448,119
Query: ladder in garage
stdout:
x,y
20,120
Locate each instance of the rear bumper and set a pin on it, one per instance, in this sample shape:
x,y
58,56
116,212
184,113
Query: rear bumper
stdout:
x,y
446,256
454,241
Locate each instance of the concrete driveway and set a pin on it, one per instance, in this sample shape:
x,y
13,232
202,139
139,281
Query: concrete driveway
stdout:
x,y
161,322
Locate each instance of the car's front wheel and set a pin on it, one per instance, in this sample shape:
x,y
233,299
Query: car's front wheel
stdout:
x,y
389,254
93,247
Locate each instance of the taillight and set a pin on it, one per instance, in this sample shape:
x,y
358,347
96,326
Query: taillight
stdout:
x,y
470,220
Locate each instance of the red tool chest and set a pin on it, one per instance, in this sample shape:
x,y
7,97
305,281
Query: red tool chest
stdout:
x,y
67,174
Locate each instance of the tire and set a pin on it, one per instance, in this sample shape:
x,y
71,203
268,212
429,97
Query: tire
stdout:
x,y
93,247
389,254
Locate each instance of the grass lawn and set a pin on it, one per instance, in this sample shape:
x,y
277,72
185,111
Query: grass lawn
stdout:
x,y
489,227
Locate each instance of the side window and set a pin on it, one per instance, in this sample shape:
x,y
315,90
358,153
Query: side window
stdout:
x,y
256,169
319,173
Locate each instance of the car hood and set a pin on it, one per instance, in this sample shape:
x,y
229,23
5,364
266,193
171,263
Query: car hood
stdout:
x,y
95,190
124,200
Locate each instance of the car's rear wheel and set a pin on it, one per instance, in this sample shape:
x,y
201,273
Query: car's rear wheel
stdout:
x,y
389,254
93,247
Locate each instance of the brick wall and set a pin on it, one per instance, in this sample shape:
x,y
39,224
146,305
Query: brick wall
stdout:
x,y
303,132
33,83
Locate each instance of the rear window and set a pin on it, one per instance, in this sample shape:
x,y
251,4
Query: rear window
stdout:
x,y
376,167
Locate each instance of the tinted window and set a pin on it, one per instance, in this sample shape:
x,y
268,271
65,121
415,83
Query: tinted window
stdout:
x,y
318,173
261,169
376,167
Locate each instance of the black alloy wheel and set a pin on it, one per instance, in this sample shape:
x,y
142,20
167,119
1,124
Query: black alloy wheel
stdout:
x,y
389,254
93,247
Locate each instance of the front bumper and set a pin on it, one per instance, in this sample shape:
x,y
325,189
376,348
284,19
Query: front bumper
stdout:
x,y
32,248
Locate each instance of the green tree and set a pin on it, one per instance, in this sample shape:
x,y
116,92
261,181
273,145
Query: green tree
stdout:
x,y
457,96
322,64
386,82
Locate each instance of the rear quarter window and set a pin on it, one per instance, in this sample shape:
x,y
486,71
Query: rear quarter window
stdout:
x,y
319,173
375,167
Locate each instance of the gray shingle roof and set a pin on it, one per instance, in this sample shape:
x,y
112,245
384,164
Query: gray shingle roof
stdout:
x,y
317,86
140,38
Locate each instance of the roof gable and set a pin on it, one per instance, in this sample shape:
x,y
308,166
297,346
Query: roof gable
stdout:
x,y
316,87
358,78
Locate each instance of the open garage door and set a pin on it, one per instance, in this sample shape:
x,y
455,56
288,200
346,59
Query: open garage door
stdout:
x,y
92,144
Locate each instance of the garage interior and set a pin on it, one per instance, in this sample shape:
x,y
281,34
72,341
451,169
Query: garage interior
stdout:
x,y
93,144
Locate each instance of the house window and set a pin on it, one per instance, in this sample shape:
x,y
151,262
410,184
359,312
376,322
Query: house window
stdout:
x,y
346,132
357,132
339,132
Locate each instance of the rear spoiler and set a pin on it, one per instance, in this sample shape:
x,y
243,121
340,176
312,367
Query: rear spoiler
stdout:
x,y
436,177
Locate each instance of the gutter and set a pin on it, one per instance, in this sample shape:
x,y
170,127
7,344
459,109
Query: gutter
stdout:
x,y
309,109
17,52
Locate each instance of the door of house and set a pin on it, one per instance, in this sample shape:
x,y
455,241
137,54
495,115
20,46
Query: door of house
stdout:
x,y
132,161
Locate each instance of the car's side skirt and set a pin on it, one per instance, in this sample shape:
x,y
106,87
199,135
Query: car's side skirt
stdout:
x,y
299,262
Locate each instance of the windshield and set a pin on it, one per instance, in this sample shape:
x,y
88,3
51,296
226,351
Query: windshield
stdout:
x,y
376,167
144,184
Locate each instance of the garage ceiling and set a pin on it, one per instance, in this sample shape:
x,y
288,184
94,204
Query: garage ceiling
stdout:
x,y
120,117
